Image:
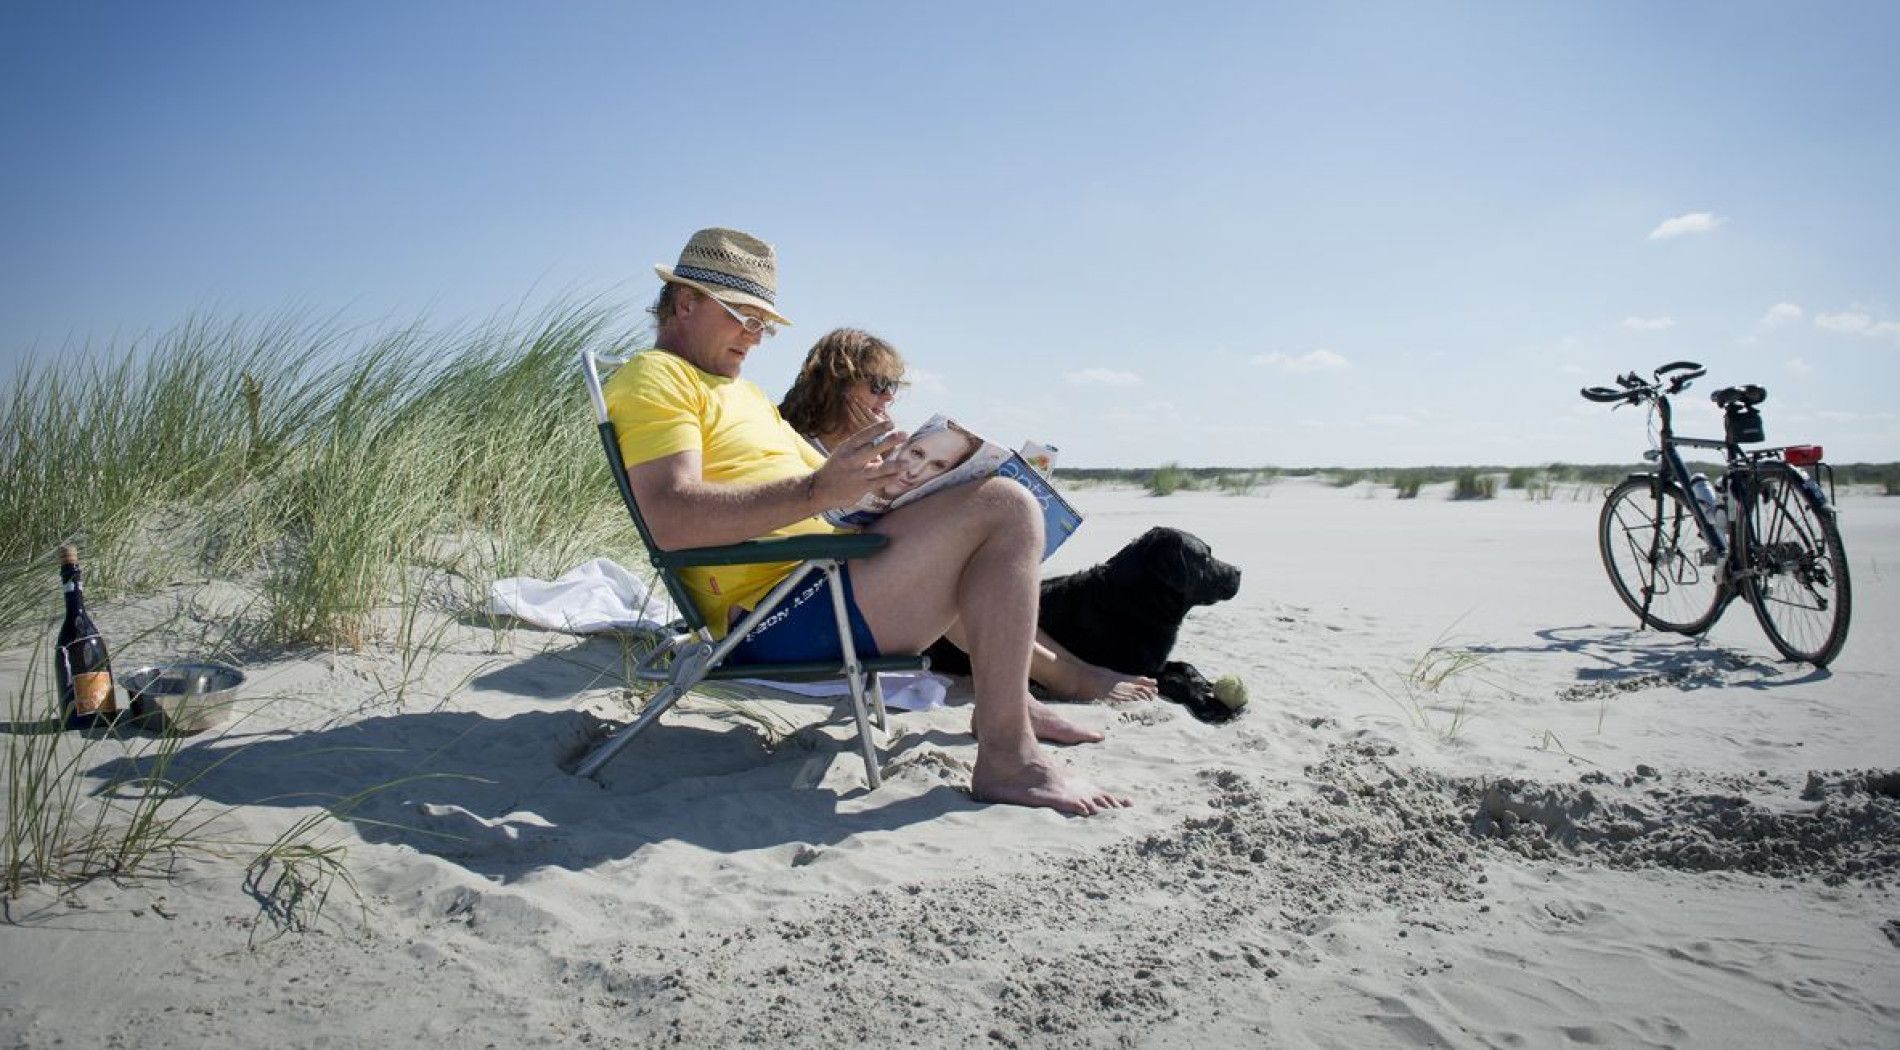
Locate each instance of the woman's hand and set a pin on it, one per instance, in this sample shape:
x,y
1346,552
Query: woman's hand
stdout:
x,y
857,416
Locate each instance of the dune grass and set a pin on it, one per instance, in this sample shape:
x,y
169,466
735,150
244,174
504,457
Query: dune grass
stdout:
x,y
1168,479
1472,484
322,462
61,827
1438,690
329,469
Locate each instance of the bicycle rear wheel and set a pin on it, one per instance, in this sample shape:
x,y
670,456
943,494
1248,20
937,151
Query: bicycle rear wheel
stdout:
x,y
1680,576
1797,577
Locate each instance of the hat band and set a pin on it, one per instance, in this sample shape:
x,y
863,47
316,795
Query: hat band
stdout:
x,y
724,280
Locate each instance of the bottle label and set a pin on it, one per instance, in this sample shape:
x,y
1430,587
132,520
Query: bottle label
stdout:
x,y
92,693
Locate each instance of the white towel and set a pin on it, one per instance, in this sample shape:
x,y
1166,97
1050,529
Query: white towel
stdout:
x,y
597,596
903,690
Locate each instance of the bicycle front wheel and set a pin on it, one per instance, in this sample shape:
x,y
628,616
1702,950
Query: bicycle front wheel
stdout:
x,y
1797,570
1658,561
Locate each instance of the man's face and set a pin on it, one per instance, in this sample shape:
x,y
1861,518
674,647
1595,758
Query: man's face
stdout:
x,y
710,338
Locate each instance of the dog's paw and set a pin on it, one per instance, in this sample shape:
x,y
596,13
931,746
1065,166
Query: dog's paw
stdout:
x,y
1184,685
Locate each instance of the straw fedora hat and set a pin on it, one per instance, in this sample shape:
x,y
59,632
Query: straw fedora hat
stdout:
x,y
731,266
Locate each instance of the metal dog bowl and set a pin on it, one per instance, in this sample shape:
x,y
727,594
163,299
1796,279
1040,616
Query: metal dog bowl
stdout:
x,y
188,697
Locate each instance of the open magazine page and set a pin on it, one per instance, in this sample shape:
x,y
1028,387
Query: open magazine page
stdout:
x,y
942,453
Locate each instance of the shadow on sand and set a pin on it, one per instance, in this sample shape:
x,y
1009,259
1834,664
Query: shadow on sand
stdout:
x,y
490,794
1624,659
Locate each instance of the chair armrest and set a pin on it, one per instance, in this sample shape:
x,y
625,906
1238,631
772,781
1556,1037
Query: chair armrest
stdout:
x,y
841,546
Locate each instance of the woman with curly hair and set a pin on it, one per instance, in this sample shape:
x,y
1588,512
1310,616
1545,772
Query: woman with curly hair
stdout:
x,y
848,382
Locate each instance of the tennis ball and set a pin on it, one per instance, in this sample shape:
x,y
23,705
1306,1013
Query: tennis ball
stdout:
x,y
1230,690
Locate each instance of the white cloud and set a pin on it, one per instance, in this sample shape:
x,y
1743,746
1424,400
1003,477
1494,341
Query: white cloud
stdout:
x,y
1646,324
1682,225
1102,377
1781,313
1316,361
1854,322
1799,366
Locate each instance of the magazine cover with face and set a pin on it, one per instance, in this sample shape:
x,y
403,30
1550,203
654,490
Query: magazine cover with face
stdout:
x,y
942,453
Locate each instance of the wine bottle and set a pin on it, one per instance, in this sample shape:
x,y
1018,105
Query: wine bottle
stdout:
x,y
81,664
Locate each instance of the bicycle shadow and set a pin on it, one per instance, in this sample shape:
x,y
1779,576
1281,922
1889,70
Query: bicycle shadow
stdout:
x,y
490,795
1623,659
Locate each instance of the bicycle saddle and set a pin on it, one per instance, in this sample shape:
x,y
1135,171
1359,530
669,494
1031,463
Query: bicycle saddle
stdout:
x,y
1739,395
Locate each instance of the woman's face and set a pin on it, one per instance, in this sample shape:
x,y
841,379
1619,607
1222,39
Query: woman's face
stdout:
x,y
923,458
870,399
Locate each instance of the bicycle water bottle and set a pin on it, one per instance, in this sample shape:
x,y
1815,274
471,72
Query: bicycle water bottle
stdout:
x,y
1711,503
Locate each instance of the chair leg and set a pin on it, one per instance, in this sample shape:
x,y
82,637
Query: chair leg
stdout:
x,y
877,703
867,738
854,675
689,669
604,752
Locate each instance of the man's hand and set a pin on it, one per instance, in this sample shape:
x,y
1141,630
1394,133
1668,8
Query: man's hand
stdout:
x,y
858,465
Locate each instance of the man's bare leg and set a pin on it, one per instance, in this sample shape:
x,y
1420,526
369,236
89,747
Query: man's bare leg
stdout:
x,y
1048,724
970,554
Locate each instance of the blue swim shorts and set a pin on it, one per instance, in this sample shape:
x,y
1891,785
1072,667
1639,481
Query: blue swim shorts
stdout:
x,y
803,628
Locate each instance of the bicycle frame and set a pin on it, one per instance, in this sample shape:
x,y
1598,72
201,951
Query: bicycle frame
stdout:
x,y
1737,478
1678,471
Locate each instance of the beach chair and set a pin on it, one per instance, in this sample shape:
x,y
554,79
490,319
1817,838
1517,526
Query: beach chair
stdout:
x,y
691,655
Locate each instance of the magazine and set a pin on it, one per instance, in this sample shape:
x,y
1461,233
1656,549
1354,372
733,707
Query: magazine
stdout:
x,y
942,453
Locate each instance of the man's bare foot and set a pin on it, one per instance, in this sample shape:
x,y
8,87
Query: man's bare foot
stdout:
x,y
1041,783
1072,679
1055,729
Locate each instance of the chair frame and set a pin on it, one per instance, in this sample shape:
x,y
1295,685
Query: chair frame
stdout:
x,y
692,655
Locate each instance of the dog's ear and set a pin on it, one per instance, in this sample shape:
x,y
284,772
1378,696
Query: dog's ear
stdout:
x,y
1170,563
1133,561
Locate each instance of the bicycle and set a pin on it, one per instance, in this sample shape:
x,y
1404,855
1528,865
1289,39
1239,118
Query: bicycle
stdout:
x,y
1679,549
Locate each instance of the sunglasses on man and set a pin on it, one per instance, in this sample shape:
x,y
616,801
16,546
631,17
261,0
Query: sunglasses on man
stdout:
x,y
752,325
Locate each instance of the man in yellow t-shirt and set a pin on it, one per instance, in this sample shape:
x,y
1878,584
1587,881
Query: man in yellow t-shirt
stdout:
x,y
661,405
711,462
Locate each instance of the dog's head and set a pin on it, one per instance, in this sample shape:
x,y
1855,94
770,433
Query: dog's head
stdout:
x,y
1179,563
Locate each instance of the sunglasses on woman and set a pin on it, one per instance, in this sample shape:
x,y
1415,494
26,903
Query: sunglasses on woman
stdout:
x,y
884,385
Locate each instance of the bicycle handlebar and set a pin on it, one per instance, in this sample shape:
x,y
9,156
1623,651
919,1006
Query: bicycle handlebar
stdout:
x,y
1676,375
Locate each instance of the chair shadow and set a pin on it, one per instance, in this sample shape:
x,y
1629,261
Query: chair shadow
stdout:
x,y
1624,658
559,672
491,795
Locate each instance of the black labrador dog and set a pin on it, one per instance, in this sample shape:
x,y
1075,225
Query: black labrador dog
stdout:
x,y
1125,614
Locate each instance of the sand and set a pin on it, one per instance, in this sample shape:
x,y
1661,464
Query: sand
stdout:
x,y
1594,836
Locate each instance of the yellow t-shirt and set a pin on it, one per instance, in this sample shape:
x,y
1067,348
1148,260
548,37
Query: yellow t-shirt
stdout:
x,y
661,405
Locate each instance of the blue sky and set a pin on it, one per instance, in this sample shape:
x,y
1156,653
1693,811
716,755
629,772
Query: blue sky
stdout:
x,y
1218,234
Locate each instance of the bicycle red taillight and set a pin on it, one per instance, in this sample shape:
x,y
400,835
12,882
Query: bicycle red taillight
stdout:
x,y
1802,455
